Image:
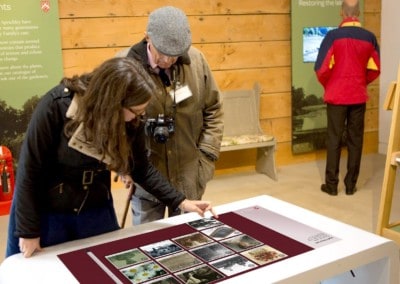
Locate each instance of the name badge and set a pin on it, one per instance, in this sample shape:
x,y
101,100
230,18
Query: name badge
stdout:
x,y
181,93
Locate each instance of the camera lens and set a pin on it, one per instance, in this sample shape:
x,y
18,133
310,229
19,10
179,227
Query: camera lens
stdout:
x,y
161,134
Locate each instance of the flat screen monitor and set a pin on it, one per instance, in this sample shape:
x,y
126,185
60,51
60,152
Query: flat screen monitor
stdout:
x,y
312,38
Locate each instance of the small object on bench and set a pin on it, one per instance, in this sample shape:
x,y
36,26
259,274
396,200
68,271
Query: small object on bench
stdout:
x,y
242,128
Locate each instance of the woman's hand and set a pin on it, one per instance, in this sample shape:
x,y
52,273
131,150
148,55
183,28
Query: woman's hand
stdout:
x,y
127,180
198,206
29,246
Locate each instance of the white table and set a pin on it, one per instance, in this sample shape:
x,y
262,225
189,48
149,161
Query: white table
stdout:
x,y
371,258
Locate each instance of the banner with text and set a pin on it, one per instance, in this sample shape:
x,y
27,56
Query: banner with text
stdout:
x,y
311,20
30,62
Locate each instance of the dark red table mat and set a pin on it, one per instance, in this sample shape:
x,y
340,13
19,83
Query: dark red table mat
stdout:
x,y
86,270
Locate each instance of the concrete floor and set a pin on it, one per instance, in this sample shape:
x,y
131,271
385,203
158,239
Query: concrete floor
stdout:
x,y
298,184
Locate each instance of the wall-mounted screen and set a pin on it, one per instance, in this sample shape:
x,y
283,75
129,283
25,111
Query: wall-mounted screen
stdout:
x,y
312,38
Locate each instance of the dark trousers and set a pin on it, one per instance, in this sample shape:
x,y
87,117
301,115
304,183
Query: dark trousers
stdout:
x,y
58,228
147,208
341,118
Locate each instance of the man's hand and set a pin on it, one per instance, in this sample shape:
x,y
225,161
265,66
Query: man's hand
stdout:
x,y
29,246
198,206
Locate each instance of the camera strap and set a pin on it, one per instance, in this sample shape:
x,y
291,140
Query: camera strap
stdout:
x,y
173,76
164,77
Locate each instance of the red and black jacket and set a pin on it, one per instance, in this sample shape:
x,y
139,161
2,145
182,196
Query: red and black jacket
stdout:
x,y
348,60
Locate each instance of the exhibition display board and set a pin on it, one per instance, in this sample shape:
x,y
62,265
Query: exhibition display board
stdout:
x,y
31,63
259,240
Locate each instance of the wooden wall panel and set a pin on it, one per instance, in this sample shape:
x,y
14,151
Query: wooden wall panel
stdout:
x,y
221,56
113,8
371,121
123,31
272,80
240,28
281,128
243,41
371,140
77,61
372,6
284,155
101,32
373,92
275,105
243,55
372,22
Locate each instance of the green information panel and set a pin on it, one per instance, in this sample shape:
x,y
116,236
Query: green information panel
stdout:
x,y
311,20
30,62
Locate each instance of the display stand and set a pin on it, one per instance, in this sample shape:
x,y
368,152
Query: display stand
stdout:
x,y
385,226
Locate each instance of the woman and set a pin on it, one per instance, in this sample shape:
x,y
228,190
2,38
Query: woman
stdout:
x,y
81,130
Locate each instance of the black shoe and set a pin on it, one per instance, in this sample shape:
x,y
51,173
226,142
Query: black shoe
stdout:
x,y
351,191
325,189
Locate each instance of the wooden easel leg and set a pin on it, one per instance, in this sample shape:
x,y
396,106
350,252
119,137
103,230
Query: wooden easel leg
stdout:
x,y
392,102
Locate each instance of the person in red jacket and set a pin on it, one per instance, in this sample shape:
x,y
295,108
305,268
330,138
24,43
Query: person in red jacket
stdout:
x,y
348,60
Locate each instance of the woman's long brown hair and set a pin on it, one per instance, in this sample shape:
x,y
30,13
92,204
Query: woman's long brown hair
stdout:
x,y
115,84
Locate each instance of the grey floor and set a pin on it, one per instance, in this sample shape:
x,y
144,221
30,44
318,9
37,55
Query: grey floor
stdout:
x,y
298,184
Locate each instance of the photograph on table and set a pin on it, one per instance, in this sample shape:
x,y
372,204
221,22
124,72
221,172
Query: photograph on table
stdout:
x,y
212,252
232,265
165,280
179,261
200,274
192,240
143,272
127,258
160,249
241,243
221,232
263,255
204,223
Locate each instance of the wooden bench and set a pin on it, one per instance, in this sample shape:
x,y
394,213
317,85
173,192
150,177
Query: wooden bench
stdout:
x,y
242,128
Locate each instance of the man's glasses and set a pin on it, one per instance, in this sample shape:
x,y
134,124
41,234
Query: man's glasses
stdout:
x,y
163,57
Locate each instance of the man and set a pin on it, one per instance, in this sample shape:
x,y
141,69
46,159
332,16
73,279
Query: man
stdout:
x,y
347,62
184,121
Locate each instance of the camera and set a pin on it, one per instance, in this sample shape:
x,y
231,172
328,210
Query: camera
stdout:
x,y
160,128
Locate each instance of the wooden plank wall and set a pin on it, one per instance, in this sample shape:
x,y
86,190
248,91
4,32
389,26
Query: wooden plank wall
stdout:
x,y
244,41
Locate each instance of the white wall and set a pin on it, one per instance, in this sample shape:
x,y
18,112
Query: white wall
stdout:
x,y
390,60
